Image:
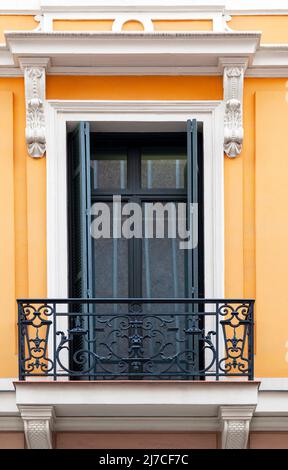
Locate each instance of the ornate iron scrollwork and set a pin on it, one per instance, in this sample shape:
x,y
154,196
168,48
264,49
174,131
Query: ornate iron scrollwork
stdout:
x,y
137,343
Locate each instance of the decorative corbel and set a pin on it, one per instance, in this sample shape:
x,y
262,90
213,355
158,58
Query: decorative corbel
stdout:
x,y
34,75
38,426
235,424
233,78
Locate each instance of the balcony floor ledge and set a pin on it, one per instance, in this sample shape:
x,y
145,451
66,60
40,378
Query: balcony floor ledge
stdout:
x,y
136,398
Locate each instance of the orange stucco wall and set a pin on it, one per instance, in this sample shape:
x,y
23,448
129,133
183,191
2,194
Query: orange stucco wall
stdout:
x,y
274,27
82,25
183,25
16,23
256,255
132,25
256,231
256,194
23,225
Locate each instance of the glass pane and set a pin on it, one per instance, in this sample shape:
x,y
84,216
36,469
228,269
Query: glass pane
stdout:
x,y
109,169
163,266
110,267
163,167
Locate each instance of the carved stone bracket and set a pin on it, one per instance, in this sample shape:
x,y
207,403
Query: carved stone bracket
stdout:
x,y
34,75
233,75
38,426
235,424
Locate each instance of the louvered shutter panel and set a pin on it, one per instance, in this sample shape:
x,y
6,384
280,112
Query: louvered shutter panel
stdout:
x,y
192,197
80,201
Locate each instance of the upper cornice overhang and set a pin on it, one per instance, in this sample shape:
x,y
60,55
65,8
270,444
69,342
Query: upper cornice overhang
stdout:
x,y
133,49
138,53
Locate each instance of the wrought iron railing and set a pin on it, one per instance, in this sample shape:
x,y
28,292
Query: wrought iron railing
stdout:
x,y
135,339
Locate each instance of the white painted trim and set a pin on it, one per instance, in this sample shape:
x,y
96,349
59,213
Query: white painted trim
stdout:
x,y
88,399
195,53
134,70
122,19
235,425
137,398
170,14
260,72
269,423
145,424
11,423
141,424
38,425
245,7
267,384
233,78
275,72
131,5
273,384
58,113
34,70
133,49
6,385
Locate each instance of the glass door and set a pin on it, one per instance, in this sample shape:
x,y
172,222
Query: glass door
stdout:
x,y
157,173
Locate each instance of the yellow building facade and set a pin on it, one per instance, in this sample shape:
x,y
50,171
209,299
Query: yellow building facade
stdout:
x,y
142,64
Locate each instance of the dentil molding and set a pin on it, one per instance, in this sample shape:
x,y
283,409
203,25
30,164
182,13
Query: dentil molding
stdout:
x,y
38,425
233,78
235,424
34,70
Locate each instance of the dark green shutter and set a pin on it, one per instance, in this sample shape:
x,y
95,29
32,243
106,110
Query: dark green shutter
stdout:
x,y
192,197
80,202
192,254
80,242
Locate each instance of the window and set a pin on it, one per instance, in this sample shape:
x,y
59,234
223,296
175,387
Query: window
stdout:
x,y
141,168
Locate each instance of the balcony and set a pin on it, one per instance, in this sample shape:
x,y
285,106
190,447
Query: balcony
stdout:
x,y
135,339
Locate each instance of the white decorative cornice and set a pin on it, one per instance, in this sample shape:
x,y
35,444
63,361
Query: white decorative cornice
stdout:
x,y
235,424
233,75
34,73
38,425
245,7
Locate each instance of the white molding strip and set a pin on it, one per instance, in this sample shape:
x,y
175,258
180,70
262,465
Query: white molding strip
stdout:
x,y
108,113
145,424
271,413
273,384
11,423
60,112
6,385
93,53
139,424
245,7
253,72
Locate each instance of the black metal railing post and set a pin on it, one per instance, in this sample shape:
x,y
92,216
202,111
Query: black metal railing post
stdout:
x,y
251,341
21,345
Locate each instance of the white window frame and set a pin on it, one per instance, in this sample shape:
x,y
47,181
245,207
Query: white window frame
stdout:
x,y
60,112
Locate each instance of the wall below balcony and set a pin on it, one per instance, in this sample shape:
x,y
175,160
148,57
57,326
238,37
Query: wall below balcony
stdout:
x,y
268,440
135,440
12,440
256,255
